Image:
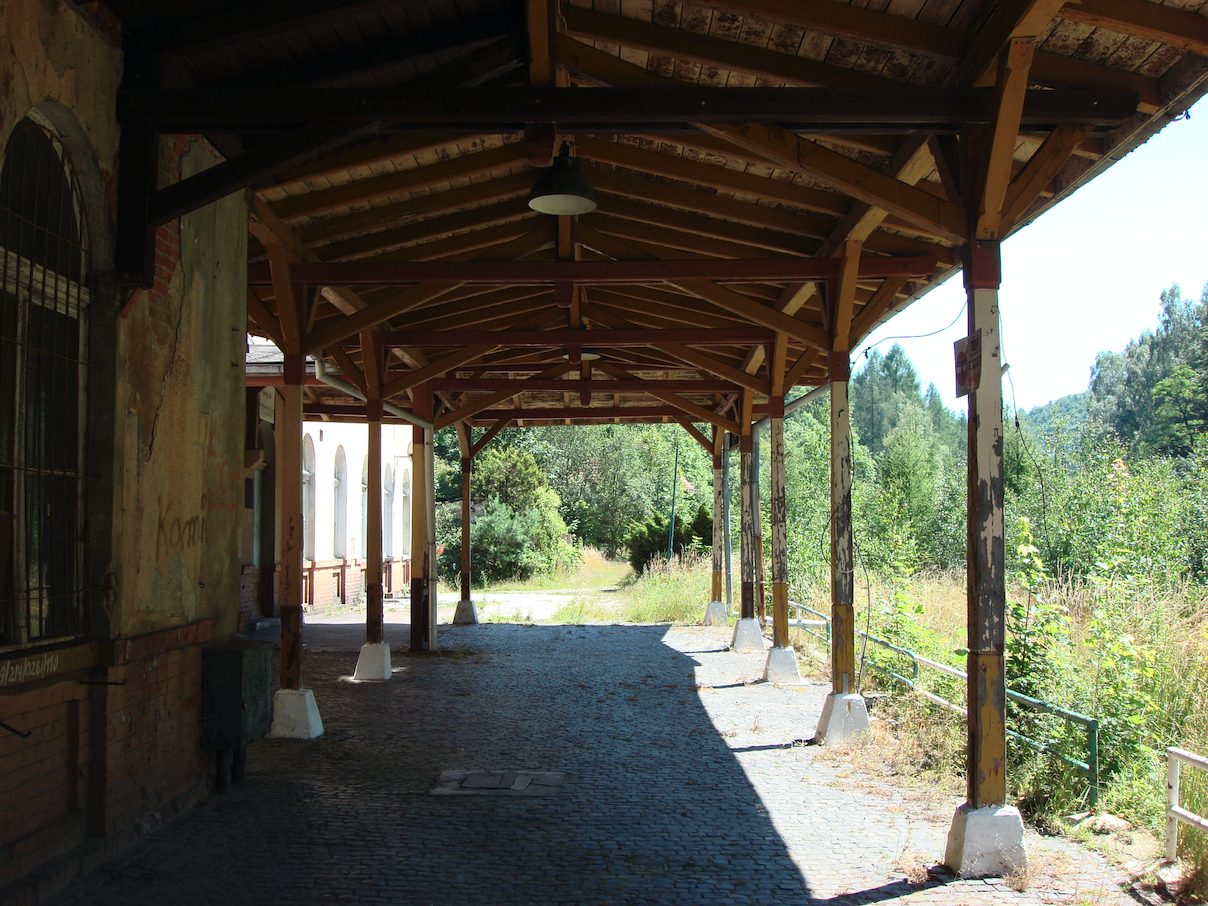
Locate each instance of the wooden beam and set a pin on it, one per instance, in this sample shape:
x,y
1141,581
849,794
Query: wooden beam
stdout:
x,y
695,434
594,414
349,370
374,243
470,409
723,179
412,297
792,152
694,357
798,369
287,305
845,298
908,165
264,319
220,28
1009,90
604,110
594,385
434,204
398,273
433,370
249,169
700,413
734,56
948,45
410,180
876,308
1011,19
1039,172
1140,19
604,339
756,312
478,445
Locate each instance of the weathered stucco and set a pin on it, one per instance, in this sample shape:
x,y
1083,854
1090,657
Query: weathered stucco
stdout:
x,y
49,52
180,460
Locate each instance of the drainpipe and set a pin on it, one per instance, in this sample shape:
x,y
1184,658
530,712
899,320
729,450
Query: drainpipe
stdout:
x,y
790,408
339,383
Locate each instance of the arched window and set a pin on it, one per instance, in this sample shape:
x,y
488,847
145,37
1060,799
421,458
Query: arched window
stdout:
x,y
308,498
44,300
339,547
388,513
365,505
405,522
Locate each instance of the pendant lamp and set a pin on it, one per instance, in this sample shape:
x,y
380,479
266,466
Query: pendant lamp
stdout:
x,y
563,189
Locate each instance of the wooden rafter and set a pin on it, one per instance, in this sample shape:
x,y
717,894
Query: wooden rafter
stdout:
x,y
1009,89
862,182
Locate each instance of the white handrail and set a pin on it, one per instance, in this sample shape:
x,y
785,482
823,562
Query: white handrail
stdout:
x,y
1175,813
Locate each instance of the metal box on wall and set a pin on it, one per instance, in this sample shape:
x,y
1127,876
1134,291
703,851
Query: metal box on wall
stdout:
x,y
236,694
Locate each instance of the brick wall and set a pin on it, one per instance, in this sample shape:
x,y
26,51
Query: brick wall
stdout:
x,y
103,762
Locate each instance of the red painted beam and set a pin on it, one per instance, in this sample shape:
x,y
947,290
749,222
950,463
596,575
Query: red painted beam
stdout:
x,y
594,386
399,273
604,339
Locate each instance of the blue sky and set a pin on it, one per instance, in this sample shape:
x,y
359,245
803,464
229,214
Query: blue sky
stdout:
x,y
1085,277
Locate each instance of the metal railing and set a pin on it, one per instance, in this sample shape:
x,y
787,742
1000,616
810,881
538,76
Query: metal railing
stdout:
x,y
1174,812
1089,768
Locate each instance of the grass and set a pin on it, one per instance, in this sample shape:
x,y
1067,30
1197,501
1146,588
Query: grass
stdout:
x,y
595,572
1132,655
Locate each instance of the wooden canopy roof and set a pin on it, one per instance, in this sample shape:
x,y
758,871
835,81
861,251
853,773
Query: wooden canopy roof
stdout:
x,y
774,178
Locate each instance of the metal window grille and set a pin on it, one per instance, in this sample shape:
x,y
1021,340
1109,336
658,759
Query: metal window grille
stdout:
x,y
44,272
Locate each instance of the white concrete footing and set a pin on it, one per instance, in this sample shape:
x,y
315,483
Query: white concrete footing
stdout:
x,y
781,668
715,614
843,717
748,636
466,614
295,715
374,662
986,842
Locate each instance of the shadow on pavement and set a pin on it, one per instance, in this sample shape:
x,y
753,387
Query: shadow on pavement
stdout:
x,y
655,807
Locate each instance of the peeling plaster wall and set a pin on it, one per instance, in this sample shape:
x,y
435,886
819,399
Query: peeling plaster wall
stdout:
x,y
180,449
49,52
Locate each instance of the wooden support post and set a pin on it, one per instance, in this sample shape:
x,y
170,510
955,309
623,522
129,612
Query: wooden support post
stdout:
x,y
421,568
289,468
466,463
729,553
746,533
987,774
843,636
719,526
761,609
430,488
780,546
374,617
715,610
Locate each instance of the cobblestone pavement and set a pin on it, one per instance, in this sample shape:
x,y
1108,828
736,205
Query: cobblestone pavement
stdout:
x,y
681,786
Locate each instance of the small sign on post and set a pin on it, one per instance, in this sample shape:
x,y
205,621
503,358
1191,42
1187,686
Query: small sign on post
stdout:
x,y
968,363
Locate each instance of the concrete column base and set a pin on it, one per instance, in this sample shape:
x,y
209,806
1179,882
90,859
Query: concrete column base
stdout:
x,y
748,636
466,614
843,717
715,614
295,715
373,663
986,842
782,669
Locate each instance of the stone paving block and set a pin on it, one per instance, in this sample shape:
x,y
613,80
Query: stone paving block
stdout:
x,y
673,772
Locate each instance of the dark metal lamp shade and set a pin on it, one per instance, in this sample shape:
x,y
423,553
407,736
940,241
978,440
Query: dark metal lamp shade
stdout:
x,y
563,189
